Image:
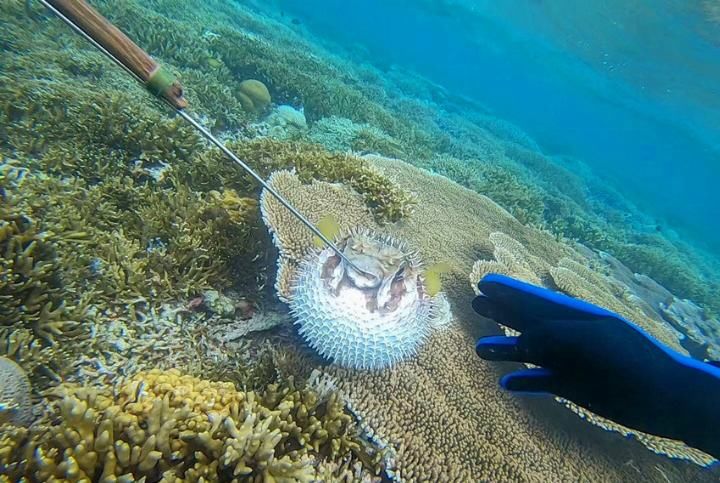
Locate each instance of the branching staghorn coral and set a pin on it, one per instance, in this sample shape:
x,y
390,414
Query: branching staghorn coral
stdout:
x,y
174,427
140,239
34,317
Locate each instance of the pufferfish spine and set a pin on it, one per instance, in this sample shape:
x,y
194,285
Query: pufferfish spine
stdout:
x,y
356,320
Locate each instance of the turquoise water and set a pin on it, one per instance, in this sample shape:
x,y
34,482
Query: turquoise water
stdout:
x,y
631,90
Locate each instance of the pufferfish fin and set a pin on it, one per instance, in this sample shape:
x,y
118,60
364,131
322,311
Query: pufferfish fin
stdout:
x,y
433,284
329,227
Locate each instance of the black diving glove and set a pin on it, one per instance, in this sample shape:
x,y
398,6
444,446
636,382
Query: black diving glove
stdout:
x,y
601,362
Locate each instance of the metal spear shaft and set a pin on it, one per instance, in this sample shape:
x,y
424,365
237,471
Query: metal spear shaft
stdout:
x,y
111,41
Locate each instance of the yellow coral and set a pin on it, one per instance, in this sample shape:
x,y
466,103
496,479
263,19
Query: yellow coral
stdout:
x,y
170,426
239,209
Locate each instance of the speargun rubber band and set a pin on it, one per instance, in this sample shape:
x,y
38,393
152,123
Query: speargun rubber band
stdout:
x,y
160,81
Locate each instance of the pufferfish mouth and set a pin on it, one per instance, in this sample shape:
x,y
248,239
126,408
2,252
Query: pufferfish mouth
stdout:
x,y
385,278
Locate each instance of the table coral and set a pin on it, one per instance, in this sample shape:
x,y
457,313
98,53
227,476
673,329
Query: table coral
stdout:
x,y
174,427
688,318
442,411
318,199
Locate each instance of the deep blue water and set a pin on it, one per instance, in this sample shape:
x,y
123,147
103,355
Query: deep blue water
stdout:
x,y
633,90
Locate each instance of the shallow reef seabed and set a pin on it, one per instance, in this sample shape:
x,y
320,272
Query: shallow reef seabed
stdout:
x,y
158,313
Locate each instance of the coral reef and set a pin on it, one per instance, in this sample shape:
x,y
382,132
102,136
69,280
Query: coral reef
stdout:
x,y
343,135
218,303
232,43
31,283
387,200
691,320
286,122
499,182
143,240
261,321
174,427
239,209
336,134
35,320
124,213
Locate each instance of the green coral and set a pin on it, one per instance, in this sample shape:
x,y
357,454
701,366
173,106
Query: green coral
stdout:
x,y
34,315
107,134
163,425
146,240
522,199
373,140
388,201
234,46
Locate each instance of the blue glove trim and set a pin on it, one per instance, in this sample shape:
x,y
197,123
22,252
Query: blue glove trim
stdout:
x,y
493,340
541,303
525,374
497,348
545,304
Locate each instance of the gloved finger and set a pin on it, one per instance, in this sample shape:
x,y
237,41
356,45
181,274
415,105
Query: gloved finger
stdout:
x,y
529,303
486,307
498,348
536,380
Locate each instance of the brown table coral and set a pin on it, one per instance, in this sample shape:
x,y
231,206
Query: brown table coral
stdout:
x,y
443,411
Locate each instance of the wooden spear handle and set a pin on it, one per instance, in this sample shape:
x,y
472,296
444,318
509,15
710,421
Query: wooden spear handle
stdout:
x,y
155,78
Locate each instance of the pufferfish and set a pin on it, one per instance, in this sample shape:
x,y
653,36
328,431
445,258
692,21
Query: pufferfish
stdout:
x,y
368,319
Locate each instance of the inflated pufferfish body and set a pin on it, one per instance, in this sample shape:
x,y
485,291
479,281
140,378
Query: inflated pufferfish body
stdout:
x,y
363,320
